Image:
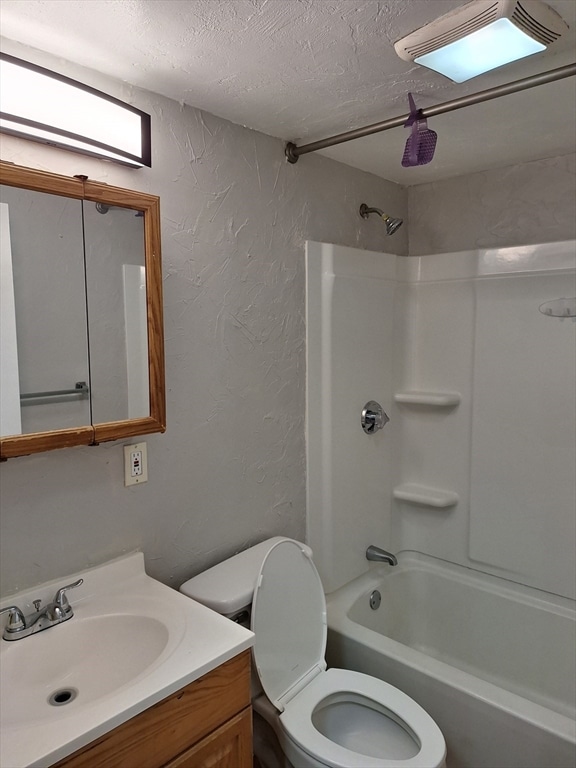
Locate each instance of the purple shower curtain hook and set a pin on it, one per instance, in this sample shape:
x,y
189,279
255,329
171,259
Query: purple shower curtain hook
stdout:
x,y
415,113
420,146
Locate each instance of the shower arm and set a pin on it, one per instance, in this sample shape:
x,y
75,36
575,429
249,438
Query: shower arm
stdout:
x,y
392,223
293,151
365,211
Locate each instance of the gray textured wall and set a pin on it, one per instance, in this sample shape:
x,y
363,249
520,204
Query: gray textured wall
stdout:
x,y
230,469
518,205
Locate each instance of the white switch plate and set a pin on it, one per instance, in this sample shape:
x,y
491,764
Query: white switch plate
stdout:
x,y
135,464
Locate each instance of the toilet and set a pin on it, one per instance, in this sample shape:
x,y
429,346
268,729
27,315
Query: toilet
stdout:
x,y
320,717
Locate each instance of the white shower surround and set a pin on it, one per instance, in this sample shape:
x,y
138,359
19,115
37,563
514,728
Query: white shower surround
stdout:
x,y
475,470
495,471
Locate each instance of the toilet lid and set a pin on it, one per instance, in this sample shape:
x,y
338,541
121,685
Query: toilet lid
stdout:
x,y
289,622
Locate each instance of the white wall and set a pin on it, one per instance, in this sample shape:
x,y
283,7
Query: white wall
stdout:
x,y
476,466
230,470
352,299
514,206
440,330
507,449
518,205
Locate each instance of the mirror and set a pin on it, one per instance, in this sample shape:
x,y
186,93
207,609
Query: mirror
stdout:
x,y
81,345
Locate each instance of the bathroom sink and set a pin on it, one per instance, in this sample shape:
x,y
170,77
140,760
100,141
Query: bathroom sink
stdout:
x,y
76,663
131,643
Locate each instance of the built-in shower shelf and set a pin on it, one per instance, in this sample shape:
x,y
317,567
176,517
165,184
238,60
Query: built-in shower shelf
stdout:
x,y
425,495
438,399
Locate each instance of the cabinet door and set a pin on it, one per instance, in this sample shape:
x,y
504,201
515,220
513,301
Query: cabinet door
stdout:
x,y
229,746
169,728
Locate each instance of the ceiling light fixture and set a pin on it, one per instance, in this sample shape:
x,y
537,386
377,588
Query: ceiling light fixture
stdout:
x,y
482,35
44,106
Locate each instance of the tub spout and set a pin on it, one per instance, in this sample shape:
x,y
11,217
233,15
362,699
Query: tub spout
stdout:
x,y
380,555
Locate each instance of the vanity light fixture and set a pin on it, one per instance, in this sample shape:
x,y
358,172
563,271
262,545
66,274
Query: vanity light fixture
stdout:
x,y
50,108
482,35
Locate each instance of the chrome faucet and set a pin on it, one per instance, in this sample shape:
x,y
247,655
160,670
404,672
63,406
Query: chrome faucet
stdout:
x,y
380,555
56,612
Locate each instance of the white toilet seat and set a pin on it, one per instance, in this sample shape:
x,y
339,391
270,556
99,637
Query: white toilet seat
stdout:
x,y
289,622
297,721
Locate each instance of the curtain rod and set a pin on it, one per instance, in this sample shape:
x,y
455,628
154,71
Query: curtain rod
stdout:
x,y
293,151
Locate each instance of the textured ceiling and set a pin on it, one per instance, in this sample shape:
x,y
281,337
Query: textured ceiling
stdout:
x,y
305,69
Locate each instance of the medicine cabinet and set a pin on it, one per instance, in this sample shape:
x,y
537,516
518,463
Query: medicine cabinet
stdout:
x,y
81,344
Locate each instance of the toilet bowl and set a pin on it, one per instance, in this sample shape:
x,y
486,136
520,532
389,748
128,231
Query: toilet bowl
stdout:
x,y
321,717
339,720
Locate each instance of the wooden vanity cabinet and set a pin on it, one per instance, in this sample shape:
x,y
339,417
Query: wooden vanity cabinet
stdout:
x,y
207,724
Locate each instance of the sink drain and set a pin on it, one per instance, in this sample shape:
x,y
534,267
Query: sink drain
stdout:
x,y
62,696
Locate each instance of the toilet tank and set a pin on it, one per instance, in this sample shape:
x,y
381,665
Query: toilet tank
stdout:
x,y
229,586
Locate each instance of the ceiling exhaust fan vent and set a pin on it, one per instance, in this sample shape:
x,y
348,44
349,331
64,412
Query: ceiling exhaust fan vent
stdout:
x,y
522,18
444,31
532,17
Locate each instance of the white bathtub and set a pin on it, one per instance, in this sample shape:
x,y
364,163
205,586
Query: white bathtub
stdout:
x,y
493,662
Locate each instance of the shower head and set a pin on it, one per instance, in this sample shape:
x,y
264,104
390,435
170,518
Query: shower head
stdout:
x,y
392,224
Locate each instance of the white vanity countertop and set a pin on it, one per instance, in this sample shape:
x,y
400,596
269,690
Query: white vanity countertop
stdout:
x,y
170,640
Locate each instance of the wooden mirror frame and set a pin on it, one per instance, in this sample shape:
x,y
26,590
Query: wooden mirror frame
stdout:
x,y
80,187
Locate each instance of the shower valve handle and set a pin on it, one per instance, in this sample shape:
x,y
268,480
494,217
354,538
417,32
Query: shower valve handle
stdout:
x,y
373,417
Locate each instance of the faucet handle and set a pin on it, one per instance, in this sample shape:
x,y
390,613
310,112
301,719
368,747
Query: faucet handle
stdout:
x,y
60,599
16,620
